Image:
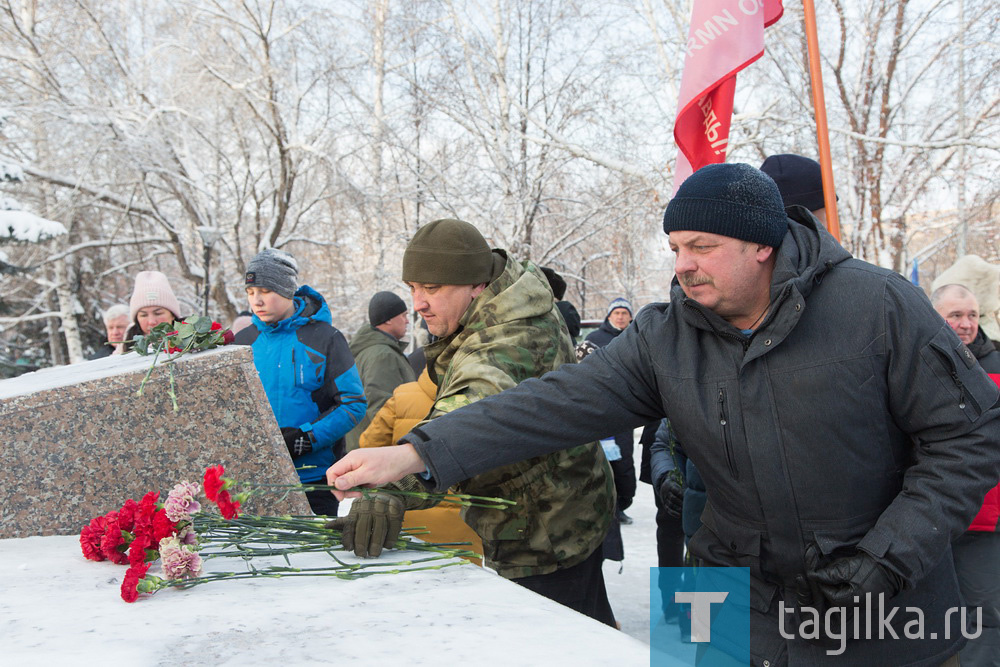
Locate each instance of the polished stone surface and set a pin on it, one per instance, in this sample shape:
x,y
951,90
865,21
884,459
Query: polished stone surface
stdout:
x,y
57,608
78,441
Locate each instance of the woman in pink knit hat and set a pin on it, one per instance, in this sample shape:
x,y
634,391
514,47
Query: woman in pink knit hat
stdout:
x,y
152,303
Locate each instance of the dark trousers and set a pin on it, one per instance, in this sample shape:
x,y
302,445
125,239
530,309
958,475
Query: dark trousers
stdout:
x,y
580,588
977,563
322,502
624,470
669,537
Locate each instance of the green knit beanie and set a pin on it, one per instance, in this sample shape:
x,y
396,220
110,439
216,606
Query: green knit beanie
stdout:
x,y
448,252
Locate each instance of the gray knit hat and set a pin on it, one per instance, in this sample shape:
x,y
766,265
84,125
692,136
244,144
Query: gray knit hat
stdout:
x,y
620,302
730,199
275,270
448,252
383,307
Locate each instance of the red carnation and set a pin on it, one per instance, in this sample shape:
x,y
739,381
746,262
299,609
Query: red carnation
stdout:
x,y
144,514
113,544
213,482
216,326
130,583
137,550
90,539
229,509
162,526
126,515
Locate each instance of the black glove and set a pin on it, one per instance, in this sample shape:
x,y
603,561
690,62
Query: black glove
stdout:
x,y
299,442
843,579
672,496
372,524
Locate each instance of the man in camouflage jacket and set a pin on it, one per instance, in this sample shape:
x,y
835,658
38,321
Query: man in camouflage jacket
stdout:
x,y
497,326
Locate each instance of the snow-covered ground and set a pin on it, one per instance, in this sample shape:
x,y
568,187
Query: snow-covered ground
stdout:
x,y
629,589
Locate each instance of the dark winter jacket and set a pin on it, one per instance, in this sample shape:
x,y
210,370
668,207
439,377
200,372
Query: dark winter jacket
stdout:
x,y
667,455
309,377
986,353
105,350
603,334
850,420
382,366
571,317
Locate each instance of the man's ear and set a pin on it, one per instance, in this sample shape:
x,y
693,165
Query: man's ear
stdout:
x,y
478,289
764,252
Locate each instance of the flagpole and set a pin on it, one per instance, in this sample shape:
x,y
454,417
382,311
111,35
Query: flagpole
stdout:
x,y
822,133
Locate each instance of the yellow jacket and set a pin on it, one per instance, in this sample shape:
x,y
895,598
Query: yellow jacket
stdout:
x,y
407,407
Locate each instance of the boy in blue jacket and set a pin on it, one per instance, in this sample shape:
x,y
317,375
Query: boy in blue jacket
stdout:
x,y
305,366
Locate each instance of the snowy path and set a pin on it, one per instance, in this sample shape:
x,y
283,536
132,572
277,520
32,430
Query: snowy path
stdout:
x,y
629,591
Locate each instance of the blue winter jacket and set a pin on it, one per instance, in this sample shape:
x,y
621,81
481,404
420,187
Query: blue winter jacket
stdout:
x,y
309,377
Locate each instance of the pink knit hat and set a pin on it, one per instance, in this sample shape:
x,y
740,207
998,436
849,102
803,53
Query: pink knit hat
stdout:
x,y
152,289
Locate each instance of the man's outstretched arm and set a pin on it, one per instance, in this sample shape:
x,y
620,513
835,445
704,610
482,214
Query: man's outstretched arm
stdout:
x,y
612,390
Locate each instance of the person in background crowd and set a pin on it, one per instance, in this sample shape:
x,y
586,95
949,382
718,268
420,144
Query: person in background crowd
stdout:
x,y
153,302
799,180
977,551
242,321
497,325
115,325
568,311
378,352
409,405
618,318
305,366
779,361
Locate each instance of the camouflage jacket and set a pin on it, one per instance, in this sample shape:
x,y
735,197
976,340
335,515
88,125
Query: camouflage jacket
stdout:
x,y
512,331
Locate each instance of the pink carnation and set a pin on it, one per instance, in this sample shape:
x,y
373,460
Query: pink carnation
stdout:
x,y
180,503
178,561
188,536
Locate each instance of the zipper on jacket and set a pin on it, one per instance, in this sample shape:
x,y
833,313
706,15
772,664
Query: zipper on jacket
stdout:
x,y
724,423
950,366
961,389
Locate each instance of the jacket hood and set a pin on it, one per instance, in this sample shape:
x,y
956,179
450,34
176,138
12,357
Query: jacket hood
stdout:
x,y
806,254
981,346
309,306
520,292
368,336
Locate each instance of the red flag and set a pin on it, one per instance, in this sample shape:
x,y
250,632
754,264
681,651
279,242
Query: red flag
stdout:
x,y
725,37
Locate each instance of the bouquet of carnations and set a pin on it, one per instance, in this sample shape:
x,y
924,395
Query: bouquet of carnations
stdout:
x,y
180,535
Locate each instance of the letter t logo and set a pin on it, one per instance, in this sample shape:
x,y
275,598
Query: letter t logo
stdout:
x,y
701,611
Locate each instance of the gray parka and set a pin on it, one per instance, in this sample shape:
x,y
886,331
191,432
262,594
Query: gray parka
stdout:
x,y
852,419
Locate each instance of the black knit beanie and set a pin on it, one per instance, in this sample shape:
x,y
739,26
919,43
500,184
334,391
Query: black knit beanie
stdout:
x,y
448,252
799,180
730,199
383,307
556,283
275,270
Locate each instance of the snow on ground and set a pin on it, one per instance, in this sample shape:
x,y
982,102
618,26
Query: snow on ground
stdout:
x,y
628,589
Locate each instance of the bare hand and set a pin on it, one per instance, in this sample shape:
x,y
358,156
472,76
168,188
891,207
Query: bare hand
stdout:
x,y
372,467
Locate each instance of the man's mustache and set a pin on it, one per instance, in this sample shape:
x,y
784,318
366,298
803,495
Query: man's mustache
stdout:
x,y
694,280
